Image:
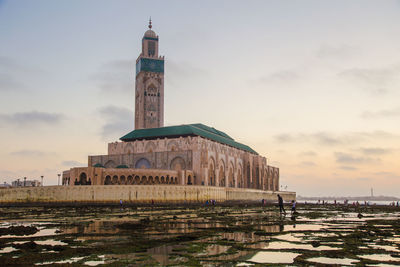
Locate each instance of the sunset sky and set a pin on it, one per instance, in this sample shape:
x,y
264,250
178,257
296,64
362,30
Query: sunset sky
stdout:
x,y
314,86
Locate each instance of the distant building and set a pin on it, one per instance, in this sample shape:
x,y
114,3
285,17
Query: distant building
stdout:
x,y
26,183
190,154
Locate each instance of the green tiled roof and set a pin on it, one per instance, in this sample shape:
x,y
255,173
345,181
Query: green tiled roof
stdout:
x,y
197,129
98,165
122,167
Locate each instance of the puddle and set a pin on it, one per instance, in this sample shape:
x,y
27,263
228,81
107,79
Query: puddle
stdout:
x,y
287,245
7,250
325,260
273,257
212,250
380,257
51,242
289,237
387,248
93,263
161,253
304,227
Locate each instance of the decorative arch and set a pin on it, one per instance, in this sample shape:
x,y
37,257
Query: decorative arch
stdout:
x,y
178,163
211,171
240,176
143,163
129,149
248,183
130,179
231,178
137,180
83,178
150,147
172,145
110,164
221,173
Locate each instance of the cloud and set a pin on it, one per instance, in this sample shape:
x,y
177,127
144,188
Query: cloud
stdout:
x,y
307,163
11,72
118,121
339,51
378,81
31,118
384,113
115,76
9,83
385,174
332,139
347,158
375,151
31,153
348,168
320,137
308,153
72,163
363,179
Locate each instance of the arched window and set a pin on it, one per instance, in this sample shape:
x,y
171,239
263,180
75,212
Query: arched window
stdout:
x,y
107,181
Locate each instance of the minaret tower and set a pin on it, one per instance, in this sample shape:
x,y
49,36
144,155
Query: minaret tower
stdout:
x,y
149,88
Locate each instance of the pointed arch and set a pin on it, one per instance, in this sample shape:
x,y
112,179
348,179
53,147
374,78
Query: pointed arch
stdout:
x,y
178,163
110,164
142,163
211,171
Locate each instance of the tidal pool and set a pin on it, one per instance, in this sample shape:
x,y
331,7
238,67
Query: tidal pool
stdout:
x,y
198,235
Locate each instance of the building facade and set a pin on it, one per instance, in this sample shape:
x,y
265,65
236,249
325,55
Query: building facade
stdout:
x,y
192,154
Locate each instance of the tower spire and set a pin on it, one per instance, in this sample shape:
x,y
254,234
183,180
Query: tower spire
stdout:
x,y
150,26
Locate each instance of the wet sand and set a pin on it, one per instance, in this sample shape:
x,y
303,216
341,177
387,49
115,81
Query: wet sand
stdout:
x,y
178,235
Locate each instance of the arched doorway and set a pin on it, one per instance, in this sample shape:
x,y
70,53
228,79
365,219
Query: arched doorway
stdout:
x,y
107,181
82,179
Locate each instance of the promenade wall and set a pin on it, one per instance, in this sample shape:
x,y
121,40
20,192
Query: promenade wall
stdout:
x,y
136,193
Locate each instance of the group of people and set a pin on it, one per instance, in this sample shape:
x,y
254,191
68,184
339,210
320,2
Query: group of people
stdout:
x,y
281,207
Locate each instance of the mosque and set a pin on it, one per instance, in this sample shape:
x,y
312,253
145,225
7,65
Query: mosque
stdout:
x,y
189,154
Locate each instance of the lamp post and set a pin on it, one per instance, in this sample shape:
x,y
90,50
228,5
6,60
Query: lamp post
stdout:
x,y
59,178
42,179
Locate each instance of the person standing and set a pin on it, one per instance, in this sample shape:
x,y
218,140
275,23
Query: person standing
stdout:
x,y
280,202
293,207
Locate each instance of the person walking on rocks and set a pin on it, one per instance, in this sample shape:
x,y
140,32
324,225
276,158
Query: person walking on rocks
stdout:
x,y
280,202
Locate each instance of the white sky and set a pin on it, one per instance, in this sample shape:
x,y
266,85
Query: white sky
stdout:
x,y
311,85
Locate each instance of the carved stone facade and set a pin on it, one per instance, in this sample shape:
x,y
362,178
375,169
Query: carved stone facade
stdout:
x,y
184,160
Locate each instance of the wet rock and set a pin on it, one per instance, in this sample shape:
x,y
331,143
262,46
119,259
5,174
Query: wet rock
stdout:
x,y
19,230
315,244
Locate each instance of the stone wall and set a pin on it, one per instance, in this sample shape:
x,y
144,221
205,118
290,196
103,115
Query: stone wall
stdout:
x,y
135,193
